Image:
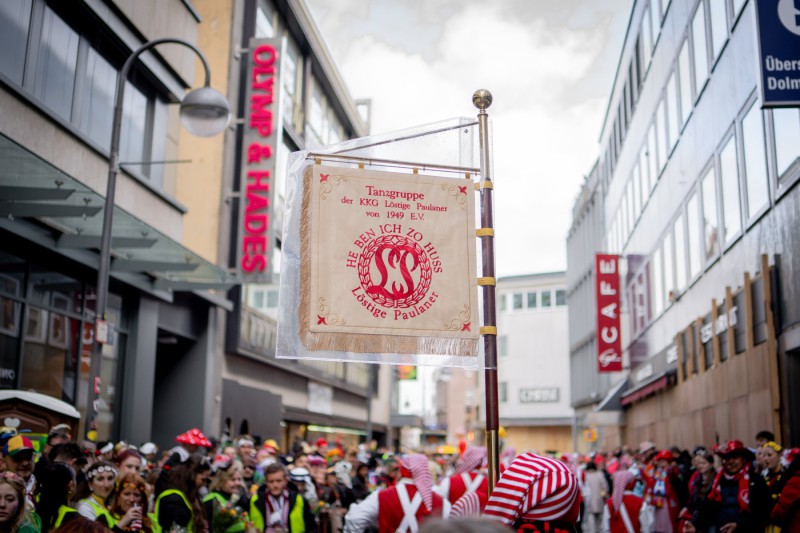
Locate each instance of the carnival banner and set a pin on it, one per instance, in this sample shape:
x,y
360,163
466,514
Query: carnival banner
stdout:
x,y
388,263
609,342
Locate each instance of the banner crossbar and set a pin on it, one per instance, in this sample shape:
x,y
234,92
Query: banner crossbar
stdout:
x,y
391,163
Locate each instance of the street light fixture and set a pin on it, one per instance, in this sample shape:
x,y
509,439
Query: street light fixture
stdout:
x,y
204,112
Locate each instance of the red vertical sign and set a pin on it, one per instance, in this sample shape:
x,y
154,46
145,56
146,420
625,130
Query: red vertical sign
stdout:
x,y
609,343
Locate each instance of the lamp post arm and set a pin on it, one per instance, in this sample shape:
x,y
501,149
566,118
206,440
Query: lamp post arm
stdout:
x,y
104,266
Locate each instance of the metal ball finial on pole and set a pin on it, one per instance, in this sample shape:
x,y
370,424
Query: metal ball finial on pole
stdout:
x,y
204,112
482,99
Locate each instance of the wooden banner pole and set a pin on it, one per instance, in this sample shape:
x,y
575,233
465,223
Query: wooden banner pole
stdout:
x,y
482,99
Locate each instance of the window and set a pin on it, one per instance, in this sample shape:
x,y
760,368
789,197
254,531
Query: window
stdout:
x,y
517,300
695,239
699,49
532,300
272,299
631,214
737,7
502,345
669,269
786,123
755,163
503,391
673,110
719,26
685,78
503,299
55,67
663,147
546,302
258,299
98,99
636,182
708,186
652,155
647,40
645,173
657,283
664,7
265,20
561,297
679,230
729,183
15,19
293,84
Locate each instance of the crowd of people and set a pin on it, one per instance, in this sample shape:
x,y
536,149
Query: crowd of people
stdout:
x,y
246,485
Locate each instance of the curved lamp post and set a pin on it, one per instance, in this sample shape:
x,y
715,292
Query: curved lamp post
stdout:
x,y
204,112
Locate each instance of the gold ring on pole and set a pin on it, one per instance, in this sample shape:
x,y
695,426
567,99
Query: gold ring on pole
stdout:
x,y
484,232
488,330
487,281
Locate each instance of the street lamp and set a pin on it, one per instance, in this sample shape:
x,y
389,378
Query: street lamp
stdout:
x,y
204,112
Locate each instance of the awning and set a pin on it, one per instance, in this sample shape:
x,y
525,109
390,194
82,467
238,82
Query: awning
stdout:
x,y
39,201
646,388
611,402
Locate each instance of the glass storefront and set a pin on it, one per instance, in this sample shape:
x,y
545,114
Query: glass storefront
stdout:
x,y
46,337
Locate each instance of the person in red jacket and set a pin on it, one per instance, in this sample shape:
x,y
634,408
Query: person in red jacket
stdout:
x,y
468,478
625,512
786,505
403,507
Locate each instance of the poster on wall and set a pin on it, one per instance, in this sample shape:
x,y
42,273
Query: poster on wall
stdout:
x,y
387,263
609,342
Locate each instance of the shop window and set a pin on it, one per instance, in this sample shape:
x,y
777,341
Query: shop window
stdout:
x,y
55,290
729,183
699,49
12,274
786,124
518,300
679,232
685,80
719,26
531,296
561,297
546,298
755,163
708,186
15,19
10,323
54,82
502,345
49,361
695,236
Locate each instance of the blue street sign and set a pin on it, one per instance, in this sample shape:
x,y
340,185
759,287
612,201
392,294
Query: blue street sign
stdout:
x,y
779,51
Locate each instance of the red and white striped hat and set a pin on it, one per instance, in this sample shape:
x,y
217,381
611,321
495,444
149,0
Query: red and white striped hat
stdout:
x,y
533,488
417,464
469,505
473,458
621,480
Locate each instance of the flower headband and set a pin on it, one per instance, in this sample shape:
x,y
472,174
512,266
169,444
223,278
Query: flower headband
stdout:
x,y
99,470
774,445
131,486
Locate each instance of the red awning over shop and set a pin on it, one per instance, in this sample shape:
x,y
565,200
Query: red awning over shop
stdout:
x,y
645,390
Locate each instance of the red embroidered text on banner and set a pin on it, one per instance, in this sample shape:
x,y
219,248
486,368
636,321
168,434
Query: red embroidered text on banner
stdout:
x,y
609,343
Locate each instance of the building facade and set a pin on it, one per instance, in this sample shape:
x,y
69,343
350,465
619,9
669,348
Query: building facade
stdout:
x,y
58,71
533,362
696,190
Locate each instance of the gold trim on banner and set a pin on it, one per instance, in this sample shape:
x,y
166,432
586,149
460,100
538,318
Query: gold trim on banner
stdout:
x,y
488,330
484,232
487,281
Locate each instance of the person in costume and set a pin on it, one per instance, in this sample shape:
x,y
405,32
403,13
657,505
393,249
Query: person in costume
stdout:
x,y
777,475
14,517
274,508
737,501
786,510
403,507
18,455
129,462
188,444
54,491
662,493
468,477
179,504
536,494
94,494
129,508
624,512
226,492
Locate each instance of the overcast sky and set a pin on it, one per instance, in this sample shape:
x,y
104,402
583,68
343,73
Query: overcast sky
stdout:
x,y
549,65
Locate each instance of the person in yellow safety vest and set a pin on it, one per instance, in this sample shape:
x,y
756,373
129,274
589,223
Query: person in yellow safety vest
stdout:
x,y
53,492
227,493
94,495
179,504
274,508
